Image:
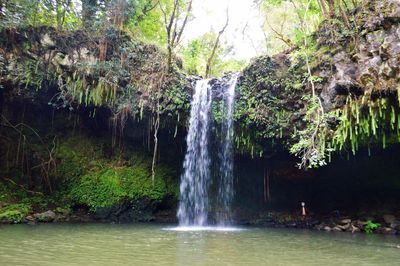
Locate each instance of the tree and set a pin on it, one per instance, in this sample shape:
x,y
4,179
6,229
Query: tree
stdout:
x,y
176,16
59,8
330,11
216,44
197,52
89,9
283,20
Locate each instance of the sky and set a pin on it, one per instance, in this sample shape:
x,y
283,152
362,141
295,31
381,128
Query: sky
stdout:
x,y
244,31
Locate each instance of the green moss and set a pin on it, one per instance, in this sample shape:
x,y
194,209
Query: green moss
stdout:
x,y
14,213
97,180
111,186
76,155
98,189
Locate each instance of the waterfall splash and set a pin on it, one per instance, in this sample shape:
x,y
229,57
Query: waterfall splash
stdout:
x,y
194,205
225,188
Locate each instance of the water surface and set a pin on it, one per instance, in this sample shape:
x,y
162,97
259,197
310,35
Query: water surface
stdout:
x,y
142,245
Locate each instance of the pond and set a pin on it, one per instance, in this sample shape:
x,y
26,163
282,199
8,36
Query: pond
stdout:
x,y
144,244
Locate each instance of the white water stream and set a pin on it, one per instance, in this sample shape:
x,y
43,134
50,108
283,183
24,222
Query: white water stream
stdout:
x,y
194,205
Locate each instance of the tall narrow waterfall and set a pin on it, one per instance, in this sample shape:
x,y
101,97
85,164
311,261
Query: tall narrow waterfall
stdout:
x,y
225,188
194,205
194,202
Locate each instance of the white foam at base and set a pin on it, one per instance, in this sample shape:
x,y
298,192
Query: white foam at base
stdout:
x,y
204,228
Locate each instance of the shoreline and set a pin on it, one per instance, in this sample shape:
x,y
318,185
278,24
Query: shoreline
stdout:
x,y
385,225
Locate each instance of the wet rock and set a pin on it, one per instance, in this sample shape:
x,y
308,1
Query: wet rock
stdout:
x,y
354,229
291,225
343,227
359,223
388,218
388,231
345,221
395,224
46,41
337,229
327,228
397,228
60,218
313,222
30,218
319,227
47,216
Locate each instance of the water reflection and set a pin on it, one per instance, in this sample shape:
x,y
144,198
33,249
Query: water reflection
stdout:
x,y
148,245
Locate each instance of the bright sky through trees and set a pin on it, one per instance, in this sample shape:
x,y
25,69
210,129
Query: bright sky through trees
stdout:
x,y
245,24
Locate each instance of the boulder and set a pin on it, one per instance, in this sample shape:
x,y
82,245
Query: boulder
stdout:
x,y
343,227
337,229
47,216
345,221
327,228
388,231
30,218
389,218
354,229
395,224
359,223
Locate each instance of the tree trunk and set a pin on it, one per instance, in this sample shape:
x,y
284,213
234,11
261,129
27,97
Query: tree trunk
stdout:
x,y
267,194
344,16
216,44
119,16
331,5
321,4
59,13
169,58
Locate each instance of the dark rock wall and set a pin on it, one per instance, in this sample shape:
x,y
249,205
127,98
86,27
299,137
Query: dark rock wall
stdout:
x,y
351,184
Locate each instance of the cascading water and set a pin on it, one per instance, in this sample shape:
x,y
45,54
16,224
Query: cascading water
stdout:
x,y
194,203
225,188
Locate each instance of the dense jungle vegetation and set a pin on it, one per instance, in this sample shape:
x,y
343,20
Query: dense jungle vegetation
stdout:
x,y
92,90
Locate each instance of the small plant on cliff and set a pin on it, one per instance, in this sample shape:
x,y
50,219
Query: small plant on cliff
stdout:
x,y
370,227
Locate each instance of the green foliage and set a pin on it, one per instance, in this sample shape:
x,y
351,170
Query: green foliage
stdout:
x,y
98,181
77,155
63,210
364,121
271,102
98,189
14,213
360,122
370,227
24,13
197,52
311,145
5,193
146,23
108,187
285,21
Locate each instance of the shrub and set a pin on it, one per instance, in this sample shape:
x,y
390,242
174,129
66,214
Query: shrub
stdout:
x,y
370,227
14,213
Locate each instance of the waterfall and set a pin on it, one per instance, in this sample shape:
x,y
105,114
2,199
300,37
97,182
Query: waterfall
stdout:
x,y
194,204
225,188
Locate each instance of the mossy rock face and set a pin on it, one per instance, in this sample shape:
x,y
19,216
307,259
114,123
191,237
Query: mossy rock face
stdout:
x,y
65,70
339,66
106,183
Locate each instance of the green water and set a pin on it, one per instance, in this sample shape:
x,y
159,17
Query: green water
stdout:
x,y
99,244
